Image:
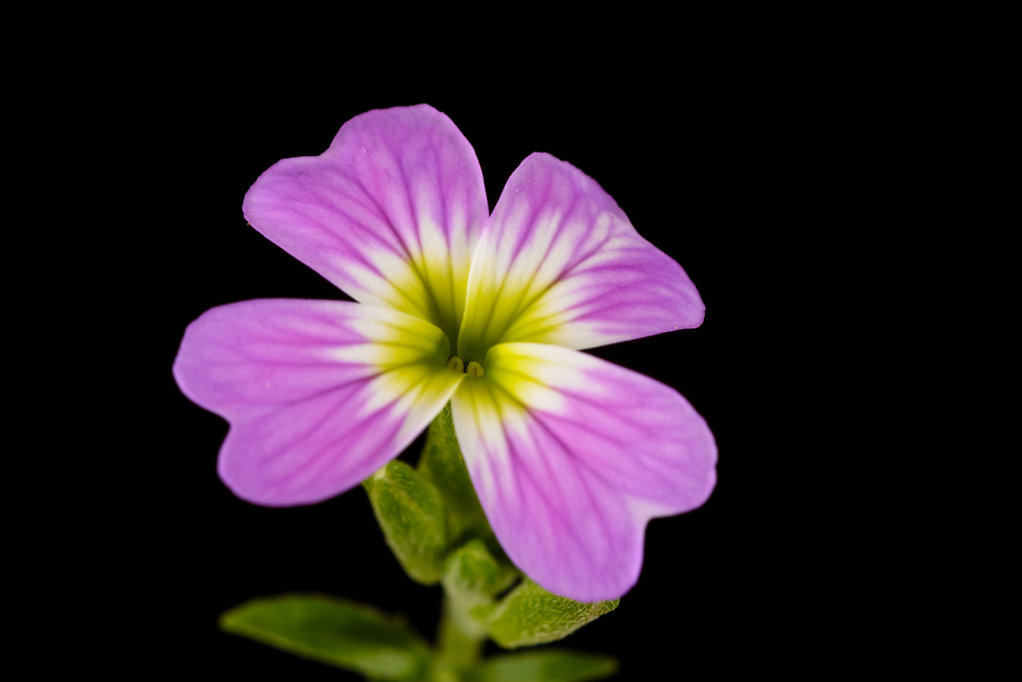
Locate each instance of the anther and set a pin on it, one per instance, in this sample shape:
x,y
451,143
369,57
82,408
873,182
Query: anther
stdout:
x,y
456,364
475,369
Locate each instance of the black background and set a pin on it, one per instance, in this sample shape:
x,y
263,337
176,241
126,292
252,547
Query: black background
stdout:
x,y
722,169
822,176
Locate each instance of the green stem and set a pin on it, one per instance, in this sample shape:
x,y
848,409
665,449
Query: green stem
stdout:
x,y
460,636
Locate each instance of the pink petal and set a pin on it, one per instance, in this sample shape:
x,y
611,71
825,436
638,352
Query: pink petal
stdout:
x,y
559,263
571,456
319,394
390,213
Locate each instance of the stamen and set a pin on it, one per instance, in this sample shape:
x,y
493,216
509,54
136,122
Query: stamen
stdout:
x,y
475,369
456,364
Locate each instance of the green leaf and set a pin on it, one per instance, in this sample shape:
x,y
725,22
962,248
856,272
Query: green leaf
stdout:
x,y
443,464
531,615
333,631
411,514
473,570
552,665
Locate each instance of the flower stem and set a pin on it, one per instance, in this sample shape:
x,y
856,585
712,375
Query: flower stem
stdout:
x,y
460,637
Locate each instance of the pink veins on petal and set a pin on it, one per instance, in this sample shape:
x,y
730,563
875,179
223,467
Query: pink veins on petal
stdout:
x,y
570,455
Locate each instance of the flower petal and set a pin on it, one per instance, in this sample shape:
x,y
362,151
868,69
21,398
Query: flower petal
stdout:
x,y
390,213
571,456
319,394
560,263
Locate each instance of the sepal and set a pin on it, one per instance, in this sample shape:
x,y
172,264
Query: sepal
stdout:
x,y
442,463
472,570
411,514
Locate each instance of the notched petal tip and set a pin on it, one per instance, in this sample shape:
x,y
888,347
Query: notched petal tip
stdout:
x,y
560,263
572,456
390,213
319,394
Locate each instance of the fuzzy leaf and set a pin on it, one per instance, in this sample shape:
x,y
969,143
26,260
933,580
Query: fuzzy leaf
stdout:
x,y
333,631
552,665
411,514
531,615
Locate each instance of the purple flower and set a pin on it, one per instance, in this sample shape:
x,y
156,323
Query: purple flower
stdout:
x,y
570,455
